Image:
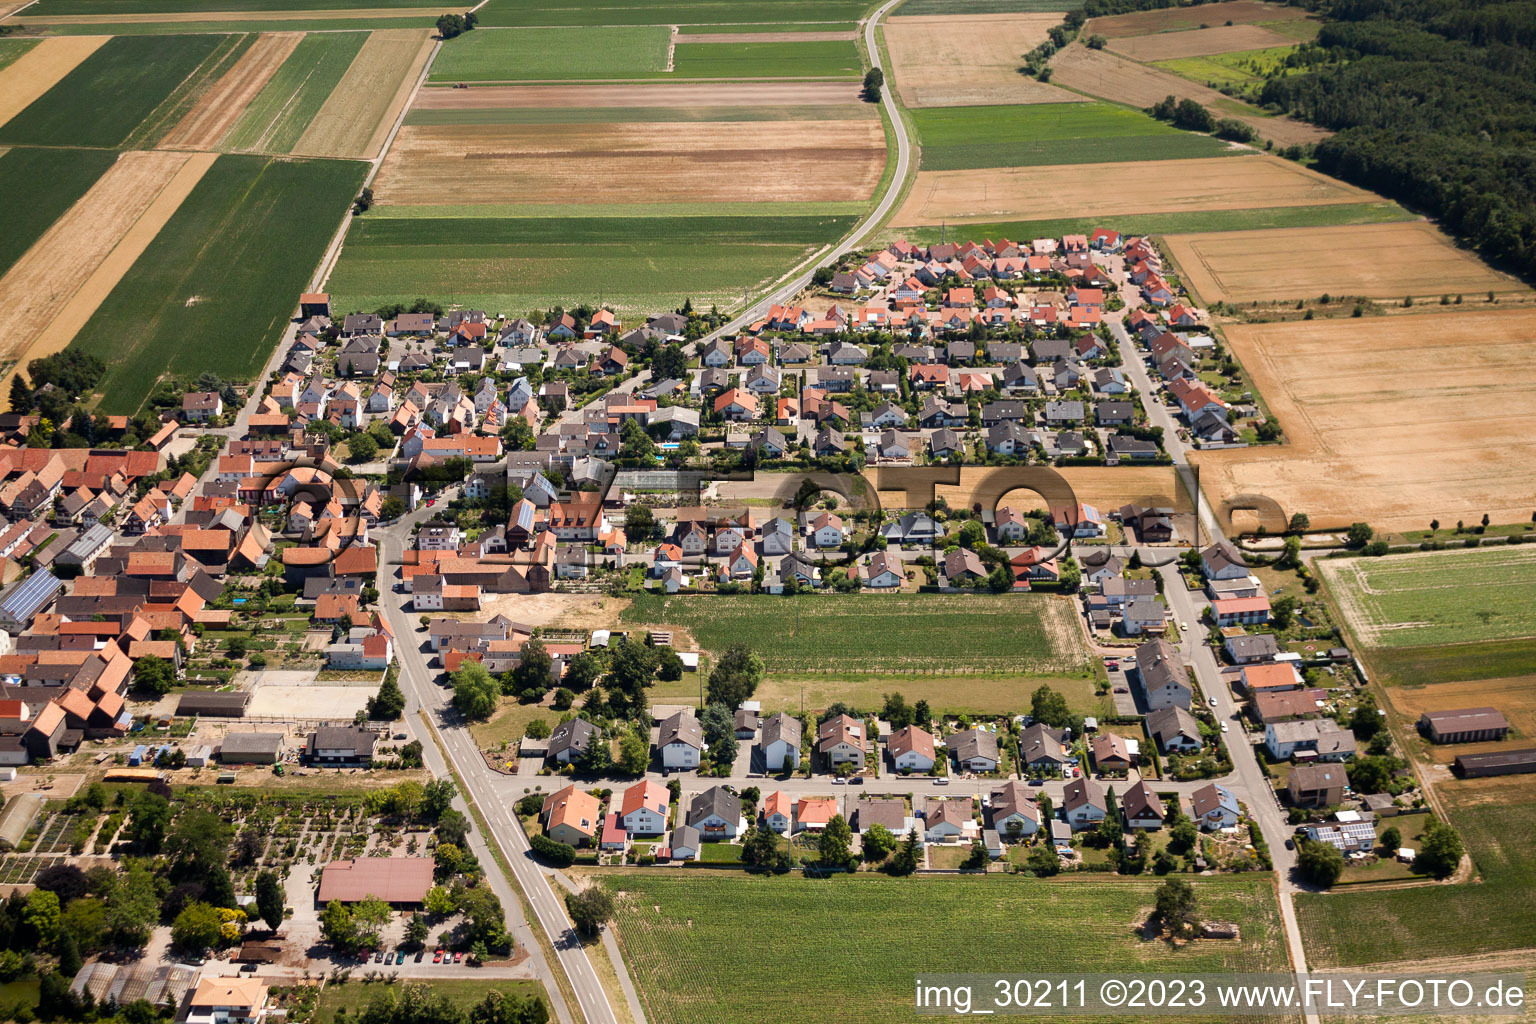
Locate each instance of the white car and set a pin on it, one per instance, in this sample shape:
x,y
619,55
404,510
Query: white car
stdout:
x,y
1223,726
1184,626
1213,702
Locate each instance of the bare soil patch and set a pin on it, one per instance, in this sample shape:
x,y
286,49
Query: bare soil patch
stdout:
x,y
703,161
184,17
641,94
1101,73
565,611
967,60
1149,186
767,37
358,114
1176,19
218,109
1105,487
1390,420
1515,697
1376,260
61,280
40,68
1198,42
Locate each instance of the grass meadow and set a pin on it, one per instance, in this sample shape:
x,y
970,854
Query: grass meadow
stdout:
x,y
39,185
103,100
539,54
515,264
889,635
222,277
670,12
277,117
683,938
1240,68
957,138
821,59
1450,663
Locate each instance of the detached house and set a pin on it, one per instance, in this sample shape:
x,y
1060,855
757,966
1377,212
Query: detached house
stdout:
x,y
911,749
841,740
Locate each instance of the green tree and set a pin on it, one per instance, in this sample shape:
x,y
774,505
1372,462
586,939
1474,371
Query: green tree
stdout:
x,y
591,908
362,447
148,821
634,754
1441,850
1049,707
1359,535
631,670
874,81
437,798
41,914
1043,861
904,861
1282,612
133,906
639,522
370,915
475,693
196,928
1177,907
68,951
1320,863
582,671
1391,840
1183,836
154,675
669,667
439,902
269,899
337,926
878,843
1300,523
388,705
534,673
835,841
735,676
416,931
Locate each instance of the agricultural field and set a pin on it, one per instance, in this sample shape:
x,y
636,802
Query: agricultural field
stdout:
x,y
1390,420
965,60
792,58
961,138
1115,78
1514,696
552,53
728,33
67,8
32,71
217,109
227,265
636,265
882,634
11,50
1386,261
1201,42
1181,19
277,117
1239,69
1497,820
668,12
1117,189
357,116
925,7
682,937
39,185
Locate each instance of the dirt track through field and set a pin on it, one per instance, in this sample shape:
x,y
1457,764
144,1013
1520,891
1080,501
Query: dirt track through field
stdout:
x,y
56,287
722,161
221,106
40,68
188,17
1148,186
648,94
1390,420
1199,42
1175,19
357,115
968,59
1381,261
1101,73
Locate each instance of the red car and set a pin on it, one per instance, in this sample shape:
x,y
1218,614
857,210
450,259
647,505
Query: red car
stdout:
x,y
458,957
437,956
431,502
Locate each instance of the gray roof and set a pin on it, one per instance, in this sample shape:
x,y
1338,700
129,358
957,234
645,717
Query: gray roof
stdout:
x,y
973,743
572,735
1171,723
87,543
781,727
714,801
252,743
1082,792
1254,645
1159,663
25,599
1040,742
331,737
685,835
681,728
892,813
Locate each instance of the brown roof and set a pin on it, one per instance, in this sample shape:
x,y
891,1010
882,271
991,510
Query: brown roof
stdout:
x,y
911,738
391,879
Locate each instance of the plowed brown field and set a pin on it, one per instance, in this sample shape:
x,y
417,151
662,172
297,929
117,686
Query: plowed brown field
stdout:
x,y
638,94
53,289
358,114
218,109
1198,43
968,59
1149,186
1390,420
1376,260
620,163
1101,73
1175,19
40,68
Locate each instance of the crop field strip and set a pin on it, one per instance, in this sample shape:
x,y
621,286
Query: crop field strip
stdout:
x,y
39,185
278,116
1181,19
264,24
30,74
1424,415
103,101
810,59
973,59
683,936
661,12
538,54
652,115
679,95
221,105
1239,68
186,97
11,50
928,7
1201,42
226,267
961,138
355,119
867,634
1118,188
201,8
848,28
229,17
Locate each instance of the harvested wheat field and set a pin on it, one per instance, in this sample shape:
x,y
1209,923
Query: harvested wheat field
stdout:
x,y
1374,260
1515,697
1200,42
209,121
57,285
360,111
1178,19
957,60
641,94
1117,189
40,68
1390,420
1101,73
708,161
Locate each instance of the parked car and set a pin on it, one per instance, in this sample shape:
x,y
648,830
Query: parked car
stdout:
x,y
1213,702
941,782
1223,726
1290,844
1037,782
399,958
458,956
857,780
419,954
378,957
437,956
839,781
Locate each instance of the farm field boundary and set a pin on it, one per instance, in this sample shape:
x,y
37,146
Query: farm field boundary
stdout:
x,y
356,117
1514,696
1199,42
223,103
218,17
39,186
275,120
681,95
967,59
533,54
667,12
28,77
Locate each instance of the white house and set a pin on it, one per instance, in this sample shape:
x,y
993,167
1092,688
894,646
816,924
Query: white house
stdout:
x,y
1083,803
827,531
1214,807
681,741
911,749
781,743
644,809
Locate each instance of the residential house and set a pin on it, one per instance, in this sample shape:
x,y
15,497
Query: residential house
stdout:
x,y
841,740
780,742
1013,811
1162,676
716,813
681,741
1316,785
644,809
1175,730
1083,803
911,749
571,816
974,750
1140,807
1214,806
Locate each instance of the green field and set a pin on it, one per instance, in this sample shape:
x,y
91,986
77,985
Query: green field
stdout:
x,y
515,264
662,12
882,634
222,277
104,99
552,53
1348,929
1438,597
185,96
11,49
683,938
768,60
39,185
913,7
1241,68
955,138
804,26
637,115
165,28
292,97
1175,223
50,8
1451,663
